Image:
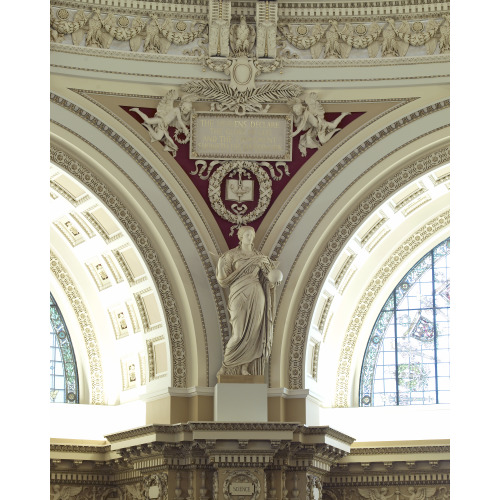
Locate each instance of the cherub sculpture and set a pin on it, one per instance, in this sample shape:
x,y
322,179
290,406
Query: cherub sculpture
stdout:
x,y
242,37
309,116
167,115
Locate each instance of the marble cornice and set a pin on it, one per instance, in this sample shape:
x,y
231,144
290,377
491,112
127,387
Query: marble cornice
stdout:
x,y
200,426
353,11
400,450
78,448
327,431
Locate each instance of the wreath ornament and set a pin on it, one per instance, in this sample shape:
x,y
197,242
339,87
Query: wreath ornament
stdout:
x,y
238,216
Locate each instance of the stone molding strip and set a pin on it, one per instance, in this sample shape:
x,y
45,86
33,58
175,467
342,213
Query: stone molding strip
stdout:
x,y
401,450
292,63
94,356
201,426
289,12
91,182
370,293
77,448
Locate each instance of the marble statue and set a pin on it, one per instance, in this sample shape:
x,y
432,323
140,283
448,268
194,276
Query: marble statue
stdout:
x,y
309,116
169,116
252,278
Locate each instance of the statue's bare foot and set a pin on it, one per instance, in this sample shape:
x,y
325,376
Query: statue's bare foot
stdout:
x,y
244,370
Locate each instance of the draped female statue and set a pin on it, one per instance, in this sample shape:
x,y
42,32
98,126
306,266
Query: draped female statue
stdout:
x,y
251,277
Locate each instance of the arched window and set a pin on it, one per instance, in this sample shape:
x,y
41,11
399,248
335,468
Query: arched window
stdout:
x,y
63,370
407,359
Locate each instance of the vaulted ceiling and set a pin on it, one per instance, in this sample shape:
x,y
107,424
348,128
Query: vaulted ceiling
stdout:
x,y
136,234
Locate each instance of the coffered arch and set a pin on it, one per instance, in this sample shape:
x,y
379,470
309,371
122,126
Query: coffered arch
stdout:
x,y
318,250
174,291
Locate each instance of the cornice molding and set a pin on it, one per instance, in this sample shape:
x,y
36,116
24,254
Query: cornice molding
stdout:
x,y
309,11
400,450
290,63
306,30
89,336
79,448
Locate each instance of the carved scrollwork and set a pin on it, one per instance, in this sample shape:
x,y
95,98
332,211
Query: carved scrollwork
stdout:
x,y
244,480
155,486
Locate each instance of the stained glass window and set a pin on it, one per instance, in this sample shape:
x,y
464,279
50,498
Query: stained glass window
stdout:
x,y
63,369
407,358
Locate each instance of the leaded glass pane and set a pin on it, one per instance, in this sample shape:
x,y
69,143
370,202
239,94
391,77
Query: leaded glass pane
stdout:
x,y
63,370
407,356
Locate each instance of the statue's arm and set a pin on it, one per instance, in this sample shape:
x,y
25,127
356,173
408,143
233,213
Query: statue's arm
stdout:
x,y
302,122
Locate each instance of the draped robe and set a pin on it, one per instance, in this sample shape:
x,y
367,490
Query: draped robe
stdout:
x,y
251,310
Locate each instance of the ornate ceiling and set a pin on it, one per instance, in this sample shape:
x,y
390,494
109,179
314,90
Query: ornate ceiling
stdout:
x,y
138,221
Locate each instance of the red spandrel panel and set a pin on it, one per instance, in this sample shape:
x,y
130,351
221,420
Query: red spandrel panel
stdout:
x,y
189,166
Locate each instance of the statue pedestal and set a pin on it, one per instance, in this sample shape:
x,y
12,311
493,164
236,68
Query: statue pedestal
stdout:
x,y
240,398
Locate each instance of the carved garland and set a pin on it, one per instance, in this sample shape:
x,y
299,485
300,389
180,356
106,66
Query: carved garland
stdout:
x,y
156,36
333,247
89,336
369,295
239,218
179,370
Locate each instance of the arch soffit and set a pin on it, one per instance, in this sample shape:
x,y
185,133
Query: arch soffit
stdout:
x,y
196,234
72,163
310,280
70,289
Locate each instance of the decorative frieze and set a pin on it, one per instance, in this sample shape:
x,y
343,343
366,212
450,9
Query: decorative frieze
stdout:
x,y
272,32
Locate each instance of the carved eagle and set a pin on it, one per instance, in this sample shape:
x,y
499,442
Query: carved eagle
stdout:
x,y
242,37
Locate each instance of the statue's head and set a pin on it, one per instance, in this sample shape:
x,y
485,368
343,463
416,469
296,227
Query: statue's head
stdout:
x,y
242,234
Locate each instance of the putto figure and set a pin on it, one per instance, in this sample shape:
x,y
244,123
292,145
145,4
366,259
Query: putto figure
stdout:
x,y
167,115
251,277
309,116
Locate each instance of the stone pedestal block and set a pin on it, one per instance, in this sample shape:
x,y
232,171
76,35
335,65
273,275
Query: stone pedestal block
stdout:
x,y
240,402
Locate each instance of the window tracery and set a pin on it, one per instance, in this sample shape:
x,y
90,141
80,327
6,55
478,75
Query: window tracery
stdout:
x,y
407,359
63,368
